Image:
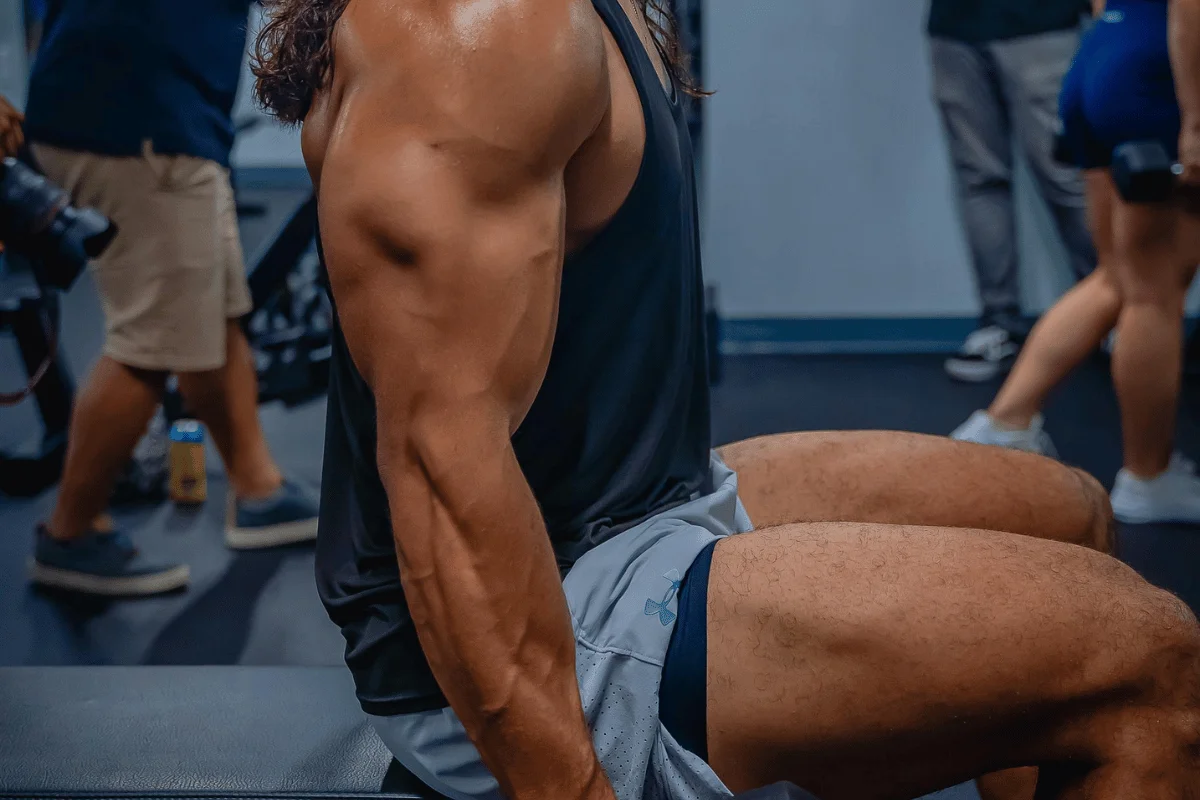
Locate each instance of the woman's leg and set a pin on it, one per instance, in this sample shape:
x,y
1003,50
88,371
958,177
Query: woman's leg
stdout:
x,y
1071,329
1158,247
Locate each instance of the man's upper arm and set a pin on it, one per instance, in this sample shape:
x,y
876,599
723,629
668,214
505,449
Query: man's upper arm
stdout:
x,y
442,206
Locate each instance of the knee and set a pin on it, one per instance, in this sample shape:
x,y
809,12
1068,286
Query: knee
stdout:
x,y
1151,277
1165,296
1143,676
1101,529
1166,647
1108,286
1171,644
1158,642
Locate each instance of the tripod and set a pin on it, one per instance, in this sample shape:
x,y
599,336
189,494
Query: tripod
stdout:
x,y
31,319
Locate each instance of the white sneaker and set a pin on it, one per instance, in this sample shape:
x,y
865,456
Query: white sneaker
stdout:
x,y
982,429
987,353
1173,496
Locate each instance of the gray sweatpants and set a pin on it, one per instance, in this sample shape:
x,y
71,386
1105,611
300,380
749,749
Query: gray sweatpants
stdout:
x,y
990,94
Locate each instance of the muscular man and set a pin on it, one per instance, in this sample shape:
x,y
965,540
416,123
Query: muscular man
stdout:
x,y
548,586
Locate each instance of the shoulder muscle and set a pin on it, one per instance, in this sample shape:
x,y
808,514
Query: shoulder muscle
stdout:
x,y
523,77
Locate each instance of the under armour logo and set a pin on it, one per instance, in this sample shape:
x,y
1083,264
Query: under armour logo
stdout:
x,y
665,615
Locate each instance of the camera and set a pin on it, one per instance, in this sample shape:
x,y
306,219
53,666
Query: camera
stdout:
x,y
46,238
38,221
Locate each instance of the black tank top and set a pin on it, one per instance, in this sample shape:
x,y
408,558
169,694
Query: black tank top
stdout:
x,y
619,430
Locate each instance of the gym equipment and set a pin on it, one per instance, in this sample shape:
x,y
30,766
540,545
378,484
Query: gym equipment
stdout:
x,y
229,732
712,335
32,320
291,324
1144,173
48,242
201,732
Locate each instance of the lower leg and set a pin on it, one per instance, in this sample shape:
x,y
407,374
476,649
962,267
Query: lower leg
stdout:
x,y
1147,364
226,400
1077,323
1157,254
111,413
1071,330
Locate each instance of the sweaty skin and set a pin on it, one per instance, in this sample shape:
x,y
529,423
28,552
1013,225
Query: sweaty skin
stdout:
x,y
450,153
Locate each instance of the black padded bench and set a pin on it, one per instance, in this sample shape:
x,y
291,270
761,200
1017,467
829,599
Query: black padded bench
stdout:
x,y
217,733
181,732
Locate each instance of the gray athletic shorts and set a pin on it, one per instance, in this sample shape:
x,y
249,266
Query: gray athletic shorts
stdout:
x,y
615,593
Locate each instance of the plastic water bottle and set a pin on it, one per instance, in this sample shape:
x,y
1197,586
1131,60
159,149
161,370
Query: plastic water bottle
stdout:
x,y
188,481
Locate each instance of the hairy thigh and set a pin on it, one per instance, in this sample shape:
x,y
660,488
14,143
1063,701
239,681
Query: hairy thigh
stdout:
x,y
913,479
863,660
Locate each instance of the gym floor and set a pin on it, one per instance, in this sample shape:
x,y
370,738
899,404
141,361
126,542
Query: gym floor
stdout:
x,y
262,608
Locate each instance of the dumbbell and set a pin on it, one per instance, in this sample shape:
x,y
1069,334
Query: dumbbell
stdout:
x,y
1144,172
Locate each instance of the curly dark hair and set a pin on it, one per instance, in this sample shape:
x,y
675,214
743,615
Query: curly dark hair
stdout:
x,y
293,55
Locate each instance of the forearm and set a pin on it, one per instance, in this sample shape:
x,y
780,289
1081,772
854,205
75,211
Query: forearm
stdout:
x,y
1185,57
1098,7
484,590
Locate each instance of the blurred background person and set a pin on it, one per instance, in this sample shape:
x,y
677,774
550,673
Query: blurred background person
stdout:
x,y
35,15
1137,78
129,109
997,69
12,137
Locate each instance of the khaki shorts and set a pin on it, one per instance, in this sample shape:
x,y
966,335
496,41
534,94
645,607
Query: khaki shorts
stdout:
x,y
174,274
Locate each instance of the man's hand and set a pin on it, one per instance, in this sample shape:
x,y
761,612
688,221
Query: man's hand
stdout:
x,y
11,135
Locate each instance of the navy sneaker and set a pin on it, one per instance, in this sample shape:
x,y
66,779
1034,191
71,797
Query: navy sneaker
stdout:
x,y
101,564
286,517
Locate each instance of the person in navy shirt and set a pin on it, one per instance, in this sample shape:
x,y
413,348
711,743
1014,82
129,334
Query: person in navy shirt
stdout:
x,y
129,109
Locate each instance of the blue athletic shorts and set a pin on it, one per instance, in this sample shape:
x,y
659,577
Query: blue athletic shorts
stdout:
x,y
1120,88
683,696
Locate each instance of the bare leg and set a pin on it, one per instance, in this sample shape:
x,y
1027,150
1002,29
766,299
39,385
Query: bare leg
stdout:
x,y
908,479
872,661
226,400
1072,328
110,415
911,479
1158,247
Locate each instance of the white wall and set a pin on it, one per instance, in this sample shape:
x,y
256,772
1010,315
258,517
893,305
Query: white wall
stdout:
x,y
270,144
12,52
828,190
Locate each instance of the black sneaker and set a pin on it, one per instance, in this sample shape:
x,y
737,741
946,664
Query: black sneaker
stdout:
x,y
986,354
101,564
